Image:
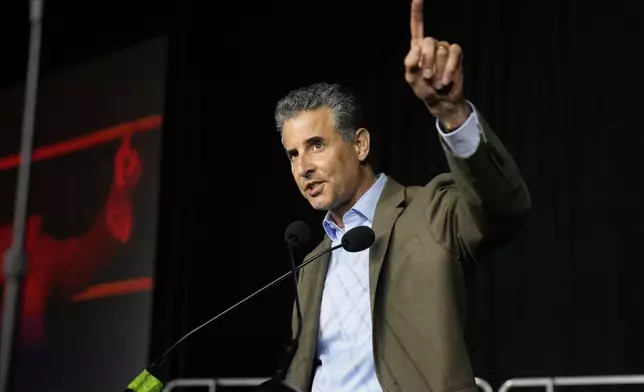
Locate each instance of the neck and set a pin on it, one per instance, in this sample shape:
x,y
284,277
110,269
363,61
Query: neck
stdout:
x,y
368,179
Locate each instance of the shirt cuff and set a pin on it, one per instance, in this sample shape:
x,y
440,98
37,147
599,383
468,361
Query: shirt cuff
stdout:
x,y
463,141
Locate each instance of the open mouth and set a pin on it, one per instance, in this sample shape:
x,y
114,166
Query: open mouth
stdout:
x,y
313,189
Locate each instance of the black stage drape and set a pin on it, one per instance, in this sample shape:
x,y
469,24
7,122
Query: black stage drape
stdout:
x,y
559,81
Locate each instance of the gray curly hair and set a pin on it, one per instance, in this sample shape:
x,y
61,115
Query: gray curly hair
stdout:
x,y
344,105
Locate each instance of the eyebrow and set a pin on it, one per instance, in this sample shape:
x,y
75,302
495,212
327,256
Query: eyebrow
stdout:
x,y
308,142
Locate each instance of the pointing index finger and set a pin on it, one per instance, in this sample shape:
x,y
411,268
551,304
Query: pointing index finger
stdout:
x,y
417,32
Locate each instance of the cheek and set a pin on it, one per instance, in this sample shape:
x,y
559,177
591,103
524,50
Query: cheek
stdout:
x,y
338,183
339,172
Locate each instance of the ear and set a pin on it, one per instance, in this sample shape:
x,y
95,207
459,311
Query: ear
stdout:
x,y
362,144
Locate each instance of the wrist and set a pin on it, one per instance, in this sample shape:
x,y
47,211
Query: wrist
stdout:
x,y
455,117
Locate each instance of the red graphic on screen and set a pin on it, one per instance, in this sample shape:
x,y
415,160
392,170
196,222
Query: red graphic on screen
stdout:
x,y
65,267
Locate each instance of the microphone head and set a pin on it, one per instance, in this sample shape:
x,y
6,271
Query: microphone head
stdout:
x,y
358,239
297,233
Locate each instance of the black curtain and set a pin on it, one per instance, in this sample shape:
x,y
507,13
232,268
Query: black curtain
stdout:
x,y
559,81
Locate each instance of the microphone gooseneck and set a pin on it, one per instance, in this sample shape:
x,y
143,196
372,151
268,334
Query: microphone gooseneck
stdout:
x,y
355,240
297,234
298,307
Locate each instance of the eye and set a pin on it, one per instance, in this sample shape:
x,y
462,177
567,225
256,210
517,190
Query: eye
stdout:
x,y
317,145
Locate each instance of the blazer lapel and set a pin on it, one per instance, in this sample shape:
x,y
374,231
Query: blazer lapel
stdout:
x,y
387,211
312,302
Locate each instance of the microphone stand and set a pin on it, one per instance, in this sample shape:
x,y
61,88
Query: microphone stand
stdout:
x,y
355,240
15,259
276,383
147,381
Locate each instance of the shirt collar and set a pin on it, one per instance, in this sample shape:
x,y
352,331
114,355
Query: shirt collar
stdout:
x,y
361,214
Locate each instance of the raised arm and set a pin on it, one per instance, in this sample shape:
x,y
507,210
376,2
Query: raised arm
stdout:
x,y
78,258
483,201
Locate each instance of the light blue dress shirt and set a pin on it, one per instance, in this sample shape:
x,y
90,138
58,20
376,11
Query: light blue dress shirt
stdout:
x,y
345,347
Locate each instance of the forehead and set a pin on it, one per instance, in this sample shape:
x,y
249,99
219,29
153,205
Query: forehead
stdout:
x,y
308,124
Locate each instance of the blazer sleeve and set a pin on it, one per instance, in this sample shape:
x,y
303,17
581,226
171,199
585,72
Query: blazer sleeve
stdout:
x,y
482,203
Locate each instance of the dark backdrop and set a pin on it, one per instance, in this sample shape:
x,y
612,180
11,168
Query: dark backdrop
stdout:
x,y
560,83
82,337
558,80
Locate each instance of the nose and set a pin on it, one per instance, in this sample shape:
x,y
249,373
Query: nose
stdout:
x,y
304,166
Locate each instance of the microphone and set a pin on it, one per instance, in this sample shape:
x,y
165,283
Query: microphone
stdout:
x,y
355,240
297,234
358,239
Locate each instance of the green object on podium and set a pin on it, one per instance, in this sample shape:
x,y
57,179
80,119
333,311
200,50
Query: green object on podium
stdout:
x,y
145,382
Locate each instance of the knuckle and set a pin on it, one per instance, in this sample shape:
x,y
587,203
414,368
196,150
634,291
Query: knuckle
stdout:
x,y
411,60
429,53
427,41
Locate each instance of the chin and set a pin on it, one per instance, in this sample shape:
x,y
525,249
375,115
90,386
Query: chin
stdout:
x,y
320,204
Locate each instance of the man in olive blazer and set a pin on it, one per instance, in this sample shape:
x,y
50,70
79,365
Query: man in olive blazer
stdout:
x,y
424,235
